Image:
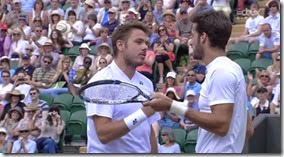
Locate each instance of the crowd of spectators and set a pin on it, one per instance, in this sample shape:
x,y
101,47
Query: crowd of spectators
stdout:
x,y
37,34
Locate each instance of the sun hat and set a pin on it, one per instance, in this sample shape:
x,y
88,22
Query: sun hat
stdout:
x,y
84,46
190,92
106,45
65,28
90,3
169,12
2,129
171,89
18,109
171,74
14,93
55,12
31,107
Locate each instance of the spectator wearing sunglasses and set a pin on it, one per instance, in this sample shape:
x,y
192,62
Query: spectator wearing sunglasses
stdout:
x,y
12,17
124,7
104,51
103,14
190,83
18,43
41,104
24,144
5,64
42,76
26,64
261,102
112,22
274,16
168,138
184,5
22,83
84,50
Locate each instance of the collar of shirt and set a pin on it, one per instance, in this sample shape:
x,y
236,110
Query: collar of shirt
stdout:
x,y
118,73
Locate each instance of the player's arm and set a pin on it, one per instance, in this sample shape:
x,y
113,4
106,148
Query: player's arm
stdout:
x,y
109,130
153,141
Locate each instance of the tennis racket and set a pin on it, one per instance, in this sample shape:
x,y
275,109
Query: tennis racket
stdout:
x,y
112,92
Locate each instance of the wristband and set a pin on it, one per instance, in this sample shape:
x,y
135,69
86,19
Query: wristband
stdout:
x,y
135,119
178,108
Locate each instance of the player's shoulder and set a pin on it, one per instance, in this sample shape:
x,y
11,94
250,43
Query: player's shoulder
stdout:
x,y
103,74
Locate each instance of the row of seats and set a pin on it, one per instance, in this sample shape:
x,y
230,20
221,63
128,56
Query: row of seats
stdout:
x,y
186,140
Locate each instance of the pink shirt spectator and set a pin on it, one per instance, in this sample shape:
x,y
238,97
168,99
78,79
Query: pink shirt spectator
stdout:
x,y
145,67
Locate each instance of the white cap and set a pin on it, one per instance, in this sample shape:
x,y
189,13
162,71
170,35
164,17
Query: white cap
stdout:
x,y
2,129
171,74
85,46
171,89
190,92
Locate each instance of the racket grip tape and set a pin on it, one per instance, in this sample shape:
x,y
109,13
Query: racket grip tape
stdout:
x,y
178,108
135,119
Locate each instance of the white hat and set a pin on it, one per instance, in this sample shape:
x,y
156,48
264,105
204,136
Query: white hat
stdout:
x,y
64,27
90,3
55,12
190,92
48,42
171,89
84,46
2,129
171,74
113,10
135,12
16,1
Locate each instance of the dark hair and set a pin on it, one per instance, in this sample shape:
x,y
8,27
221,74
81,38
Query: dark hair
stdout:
x,y
216,25
123,32
5,71
35,89
51,109
93,17
59,39
165,28
41,2
267,24
273,3
71,12
49,56
87,58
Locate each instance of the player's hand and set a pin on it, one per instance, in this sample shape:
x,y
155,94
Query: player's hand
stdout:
x,y
148,111
160,102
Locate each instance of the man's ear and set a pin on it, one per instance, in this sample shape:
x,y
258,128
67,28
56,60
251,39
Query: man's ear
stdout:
x,y
203,37
120,45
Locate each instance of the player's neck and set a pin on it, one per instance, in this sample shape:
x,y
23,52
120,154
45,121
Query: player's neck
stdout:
x,y
127,69
211,53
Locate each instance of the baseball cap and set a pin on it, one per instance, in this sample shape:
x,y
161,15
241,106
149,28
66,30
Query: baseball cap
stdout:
x,y
22,17
3,26
16,1
190,92
2,129
26,56
171,74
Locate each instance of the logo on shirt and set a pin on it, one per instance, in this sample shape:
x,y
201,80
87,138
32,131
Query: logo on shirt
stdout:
x,y
140,82
135,121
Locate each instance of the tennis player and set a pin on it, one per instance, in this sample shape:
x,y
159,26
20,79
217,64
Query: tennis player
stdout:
x,y
124,128
222,102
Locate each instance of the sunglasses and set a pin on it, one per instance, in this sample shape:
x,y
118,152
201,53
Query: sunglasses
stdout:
x,y
164,134
161,30
33,93
16,34
30,111
37,20
107,2
3,134
24,131
29,49
125,2
5,76
38,30
264,76
190,75
102,62
87,62
47,62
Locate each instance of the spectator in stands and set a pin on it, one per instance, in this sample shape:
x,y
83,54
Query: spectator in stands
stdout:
x,y
112,22
37,22
42,76
29,50
153,35
22,83
4,144
103,51
171,82
14,99
103,13
183,28
91,33
77,28
190,83
274,71
24,144
38,10
11,121
149,18
274,16
22,24
132,15
275,103
168,138
168,119
54,19
41,104
26,66
6,6
199,69
269,43
102,64
263,80
169,4
5,87
5,64
74,7
124,11
84,52
222,5
146,69
54,5
103,37
186,5
59,42
201,7
169,20
38,39
12,17
163,47
51,130
143,7
18,44
5,40
48,49
262,105
158,12
191,98
89,6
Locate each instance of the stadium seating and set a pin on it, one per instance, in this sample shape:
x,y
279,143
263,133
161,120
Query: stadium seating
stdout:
x,y
46,97
252,51
77,124
65,115
77,105
93,50
244,63
63,101
180,135
190,142
261,64
238,50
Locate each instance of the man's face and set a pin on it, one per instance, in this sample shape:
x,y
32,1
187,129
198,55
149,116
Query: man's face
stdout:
x,y
134,49
191,76
266,31
74,2
191,99
107,4
54,3
46,62
159,4
34,95
198,50
48,48
17,6
111,15
6,78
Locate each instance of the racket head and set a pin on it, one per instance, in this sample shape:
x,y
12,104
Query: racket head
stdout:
x,y
112,92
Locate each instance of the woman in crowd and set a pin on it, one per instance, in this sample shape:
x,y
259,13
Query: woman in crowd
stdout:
x,y
38,22
103,37
91,33
39,11
77,28
5,64
58,42
169,146
18,44
84,52
55,18
104,51
274,71
171,82
51,130
164,47
169,20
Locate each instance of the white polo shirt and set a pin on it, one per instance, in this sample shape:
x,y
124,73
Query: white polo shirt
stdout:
x,y
253,23
274,21
269,43
224,83
138,139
